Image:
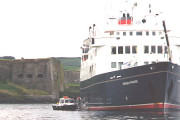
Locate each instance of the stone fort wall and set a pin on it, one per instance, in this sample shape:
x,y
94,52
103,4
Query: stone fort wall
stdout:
x,y
43,74
5,69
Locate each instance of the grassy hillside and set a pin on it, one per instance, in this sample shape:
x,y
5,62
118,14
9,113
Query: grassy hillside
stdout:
x,y
70,63
11,91
72,90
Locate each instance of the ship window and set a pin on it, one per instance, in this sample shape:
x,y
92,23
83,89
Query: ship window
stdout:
x,y
134,49
111,33
113,64
93,41
135,64
139,33
118,38
117,33
90,69
146,49
153,49
85,57
127,49
153,33
146,63
20,76
160,49
124,15
120,65
120,49
131,33
160,33
95,53
147,33
113,50
128,15
124,33
86,50
165,49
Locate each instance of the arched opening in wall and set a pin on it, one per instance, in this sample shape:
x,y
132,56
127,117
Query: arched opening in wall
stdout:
x,y
40,76
20,76
29,76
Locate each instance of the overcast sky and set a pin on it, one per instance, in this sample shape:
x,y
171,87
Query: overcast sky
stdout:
x,y
56,28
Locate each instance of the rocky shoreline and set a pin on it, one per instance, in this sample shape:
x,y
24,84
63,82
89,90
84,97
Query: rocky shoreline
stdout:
x,y
27,99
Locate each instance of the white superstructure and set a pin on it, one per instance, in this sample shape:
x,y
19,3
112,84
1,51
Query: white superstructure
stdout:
x,y
135,37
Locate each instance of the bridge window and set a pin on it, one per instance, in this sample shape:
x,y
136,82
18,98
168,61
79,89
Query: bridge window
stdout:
x,y
113,64
134,49
147,33
113,50
120,49
131,33
139,33
146,49
120,65
124,33
127,49
160,49
153,49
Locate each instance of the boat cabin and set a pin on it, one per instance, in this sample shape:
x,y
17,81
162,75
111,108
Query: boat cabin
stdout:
x,y
66,100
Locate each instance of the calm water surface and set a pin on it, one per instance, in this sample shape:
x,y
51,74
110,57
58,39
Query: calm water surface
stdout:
x,y
45,112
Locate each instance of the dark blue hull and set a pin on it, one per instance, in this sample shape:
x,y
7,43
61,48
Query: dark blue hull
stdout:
x,y
154,87
65,107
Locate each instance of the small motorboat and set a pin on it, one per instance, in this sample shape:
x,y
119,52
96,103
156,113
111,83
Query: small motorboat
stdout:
x,y
65,103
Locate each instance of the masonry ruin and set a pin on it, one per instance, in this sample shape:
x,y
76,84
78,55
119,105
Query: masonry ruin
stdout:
x,y
42,74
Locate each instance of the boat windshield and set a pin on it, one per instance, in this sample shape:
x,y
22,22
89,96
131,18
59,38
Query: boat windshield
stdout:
x,y
71,101
61,101
66,101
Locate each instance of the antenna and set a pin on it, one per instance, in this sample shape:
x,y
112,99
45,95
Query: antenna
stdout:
x,y
89,31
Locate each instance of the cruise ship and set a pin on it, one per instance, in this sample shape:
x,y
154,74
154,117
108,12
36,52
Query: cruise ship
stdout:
x,y
132,65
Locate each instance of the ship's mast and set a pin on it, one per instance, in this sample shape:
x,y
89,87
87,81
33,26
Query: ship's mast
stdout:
x,y
167,41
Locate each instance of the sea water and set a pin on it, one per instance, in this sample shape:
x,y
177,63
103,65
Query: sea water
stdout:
x,y
45,112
